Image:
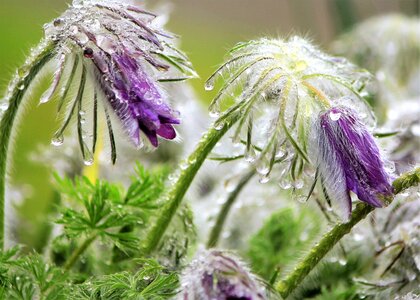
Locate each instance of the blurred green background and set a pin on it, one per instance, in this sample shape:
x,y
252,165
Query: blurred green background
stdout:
x,y
207,29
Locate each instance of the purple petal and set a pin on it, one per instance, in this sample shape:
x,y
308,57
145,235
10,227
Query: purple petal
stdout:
x,y
137,101
167,132
347,145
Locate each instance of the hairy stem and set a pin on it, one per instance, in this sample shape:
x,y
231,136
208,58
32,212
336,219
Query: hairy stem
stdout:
x,y
286,286
14,97
221,218
79,251
176,192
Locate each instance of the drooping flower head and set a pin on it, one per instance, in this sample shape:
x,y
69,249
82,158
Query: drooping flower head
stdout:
x,y
278,88
116,52
348,159
215,275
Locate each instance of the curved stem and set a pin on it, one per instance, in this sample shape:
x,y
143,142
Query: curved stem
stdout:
x,y
176,192
221,218
15,95
79,251
286,286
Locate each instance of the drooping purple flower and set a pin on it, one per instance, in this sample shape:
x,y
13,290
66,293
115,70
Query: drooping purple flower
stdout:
x,y
348,159
215,275
123,53
136,99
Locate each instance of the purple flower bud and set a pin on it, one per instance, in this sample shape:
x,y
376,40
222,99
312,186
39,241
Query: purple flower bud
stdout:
x,y
137,100
348,159
215,275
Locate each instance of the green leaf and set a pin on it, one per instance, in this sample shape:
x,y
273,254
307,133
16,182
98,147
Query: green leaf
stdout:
x,y
282,237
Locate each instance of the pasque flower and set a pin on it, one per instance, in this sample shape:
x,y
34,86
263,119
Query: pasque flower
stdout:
x,y
120,51
348,159
216,275
279,86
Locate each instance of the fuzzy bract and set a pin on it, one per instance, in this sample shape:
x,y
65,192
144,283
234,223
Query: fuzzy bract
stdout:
x,y
216,275
278,87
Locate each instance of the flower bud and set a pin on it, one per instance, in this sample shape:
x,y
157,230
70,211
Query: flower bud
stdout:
x,y
216,275
120,51
348,159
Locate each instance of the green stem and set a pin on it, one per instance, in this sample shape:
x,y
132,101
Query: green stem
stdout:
x,y
14,97
286,286
79,251
221,218
176,192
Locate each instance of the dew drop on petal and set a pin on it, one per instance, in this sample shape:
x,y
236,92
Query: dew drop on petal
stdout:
x,y
335,116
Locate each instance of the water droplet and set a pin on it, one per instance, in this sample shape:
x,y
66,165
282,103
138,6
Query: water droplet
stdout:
x,y
230,185
214,112
357,237
415,129
298,184
285,184
88,160
183,165
21,87
4,106
209,85
300,198
281,151
88,53
335,116
58,140
250,155
219,125
342,262
264,179
263,166
58,22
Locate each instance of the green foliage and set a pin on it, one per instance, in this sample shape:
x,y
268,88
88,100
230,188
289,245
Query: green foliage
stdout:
x,y
284,235
179,238
29,277
152,281
106,211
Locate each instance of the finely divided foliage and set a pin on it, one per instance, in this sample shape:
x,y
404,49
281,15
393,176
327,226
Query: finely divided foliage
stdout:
x,y
296,114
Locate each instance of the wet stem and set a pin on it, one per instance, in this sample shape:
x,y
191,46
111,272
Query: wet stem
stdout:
x,y
173,197
221,218
79,251
286,286
15,94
